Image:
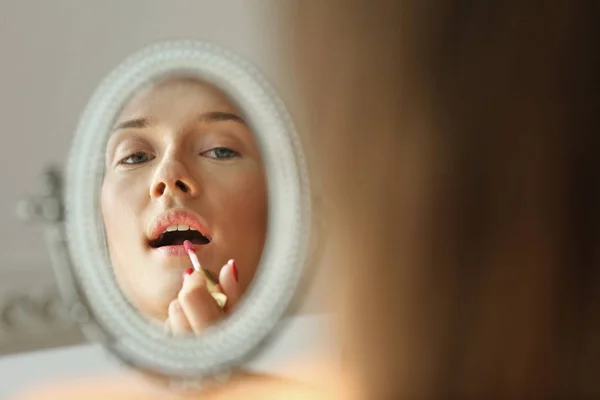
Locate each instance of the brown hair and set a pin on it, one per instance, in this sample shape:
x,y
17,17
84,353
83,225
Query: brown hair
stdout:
x,y
457,141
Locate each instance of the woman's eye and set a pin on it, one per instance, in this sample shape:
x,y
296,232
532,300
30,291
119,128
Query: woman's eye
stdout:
x,y
221,153
136,158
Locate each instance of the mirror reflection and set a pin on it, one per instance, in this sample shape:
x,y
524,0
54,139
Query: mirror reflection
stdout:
x,y
182,165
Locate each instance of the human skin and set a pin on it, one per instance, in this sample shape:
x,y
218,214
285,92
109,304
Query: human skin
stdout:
x,y
181,144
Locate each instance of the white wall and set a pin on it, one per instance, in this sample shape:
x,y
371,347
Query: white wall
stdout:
x,y
54,53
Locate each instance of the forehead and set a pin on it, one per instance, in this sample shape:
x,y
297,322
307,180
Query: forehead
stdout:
x,y
174,97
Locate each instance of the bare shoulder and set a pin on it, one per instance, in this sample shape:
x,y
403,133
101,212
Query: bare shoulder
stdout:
x,y
248,386
265,387
113,387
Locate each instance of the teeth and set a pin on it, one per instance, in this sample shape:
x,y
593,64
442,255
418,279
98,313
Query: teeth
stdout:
x,y
174,228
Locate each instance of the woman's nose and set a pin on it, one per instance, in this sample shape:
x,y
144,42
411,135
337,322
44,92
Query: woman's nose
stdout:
x,y
172,178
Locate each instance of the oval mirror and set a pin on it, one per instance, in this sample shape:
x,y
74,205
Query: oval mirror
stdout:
x,y
184,234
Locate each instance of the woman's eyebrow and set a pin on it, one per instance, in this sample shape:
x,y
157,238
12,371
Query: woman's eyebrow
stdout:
x,y
208,117
132,123
217,116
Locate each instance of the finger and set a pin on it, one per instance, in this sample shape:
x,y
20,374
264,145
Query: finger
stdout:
x,y
178,323
228,279
200,309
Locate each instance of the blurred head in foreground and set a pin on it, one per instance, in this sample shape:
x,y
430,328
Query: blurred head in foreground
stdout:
x,y
457,145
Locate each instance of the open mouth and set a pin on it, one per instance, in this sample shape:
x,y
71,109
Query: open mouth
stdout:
x,y
175,235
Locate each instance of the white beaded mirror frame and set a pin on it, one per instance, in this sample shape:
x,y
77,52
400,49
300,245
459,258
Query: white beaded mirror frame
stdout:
x,y
104,312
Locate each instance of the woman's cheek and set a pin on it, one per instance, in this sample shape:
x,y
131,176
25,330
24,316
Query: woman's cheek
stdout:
x,y
252,198
244,202
239,184
121,207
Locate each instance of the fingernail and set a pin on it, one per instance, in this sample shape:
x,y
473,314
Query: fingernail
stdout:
x,y
234,269
188,272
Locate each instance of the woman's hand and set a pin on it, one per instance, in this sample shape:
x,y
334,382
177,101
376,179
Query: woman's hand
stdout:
x,y
195,309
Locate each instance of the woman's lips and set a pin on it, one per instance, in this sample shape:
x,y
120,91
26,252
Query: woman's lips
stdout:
x,y
176,256
175,217
176,250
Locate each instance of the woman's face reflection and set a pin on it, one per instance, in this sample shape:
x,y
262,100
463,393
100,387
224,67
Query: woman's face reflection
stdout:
x,y
181,145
